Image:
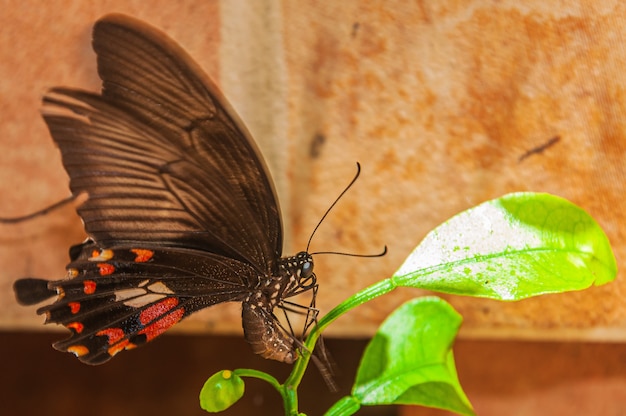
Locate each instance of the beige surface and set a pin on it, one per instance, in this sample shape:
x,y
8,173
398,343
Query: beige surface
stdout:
x,y
438,103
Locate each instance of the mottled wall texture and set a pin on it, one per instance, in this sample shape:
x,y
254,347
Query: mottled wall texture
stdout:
x,y
439,101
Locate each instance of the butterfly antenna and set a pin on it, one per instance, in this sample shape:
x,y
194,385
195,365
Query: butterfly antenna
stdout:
x,y
381,254
39,213
358,172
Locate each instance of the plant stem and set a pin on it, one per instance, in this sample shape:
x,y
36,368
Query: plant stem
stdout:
x,y
290,398
247,372
378,289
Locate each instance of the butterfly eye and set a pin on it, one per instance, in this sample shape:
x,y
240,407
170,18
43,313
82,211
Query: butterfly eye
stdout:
x,y
307,269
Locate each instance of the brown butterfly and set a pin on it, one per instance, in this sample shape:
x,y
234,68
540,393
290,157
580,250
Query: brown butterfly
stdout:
x,y
181,211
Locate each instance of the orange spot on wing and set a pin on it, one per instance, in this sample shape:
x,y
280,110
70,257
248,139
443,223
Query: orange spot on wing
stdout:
x,y
120,346
106,269
143,255
76,326
101,255
71,273
74,307
78,350
89,287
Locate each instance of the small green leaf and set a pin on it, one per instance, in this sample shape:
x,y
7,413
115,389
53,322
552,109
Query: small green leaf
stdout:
x,y
221,391
410,361
510,248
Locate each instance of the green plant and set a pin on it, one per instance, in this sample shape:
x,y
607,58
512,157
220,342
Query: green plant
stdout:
x,y
510,248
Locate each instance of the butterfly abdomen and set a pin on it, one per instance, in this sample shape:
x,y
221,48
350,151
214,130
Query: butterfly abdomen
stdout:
x,y
261,330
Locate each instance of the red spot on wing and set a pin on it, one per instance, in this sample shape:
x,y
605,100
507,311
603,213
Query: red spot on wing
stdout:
x,y
114,334
157,328
76,326
117,341
89,287
158,309
161,317
74,307
106,269
143,255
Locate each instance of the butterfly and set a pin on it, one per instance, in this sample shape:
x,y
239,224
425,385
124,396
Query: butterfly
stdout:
x,y
181,212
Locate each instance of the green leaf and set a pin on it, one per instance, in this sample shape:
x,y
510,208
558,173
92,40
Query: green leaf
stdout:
x,y
510,248
221,391
346,406
410,361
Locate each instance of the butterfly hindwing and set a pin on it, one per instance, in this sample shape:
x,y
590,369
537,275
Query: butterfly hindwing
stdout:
x,y
121,298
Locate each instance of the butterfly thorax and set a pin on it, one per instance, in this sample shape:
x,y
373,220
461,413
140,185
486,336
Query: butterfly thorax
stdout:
x,y
261,328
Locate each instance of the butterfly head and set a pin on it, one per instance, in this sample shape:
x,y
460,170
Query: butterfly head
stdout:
x,y
304,270
299,269
304,264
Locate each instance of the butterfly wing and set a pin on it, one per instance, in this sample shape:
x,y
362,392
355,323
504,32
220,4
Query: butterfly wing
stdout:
x,y
161,154
181,210
122,297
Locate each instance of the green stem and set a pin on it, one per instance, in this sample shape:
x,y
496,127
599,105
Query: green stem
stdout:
x,y
290,398
378,289
371,292
247,372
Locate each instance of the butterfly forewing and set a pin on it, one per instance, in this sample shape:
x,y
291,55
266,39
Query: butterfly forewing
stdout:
x,y
162,91
159,82
155,192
